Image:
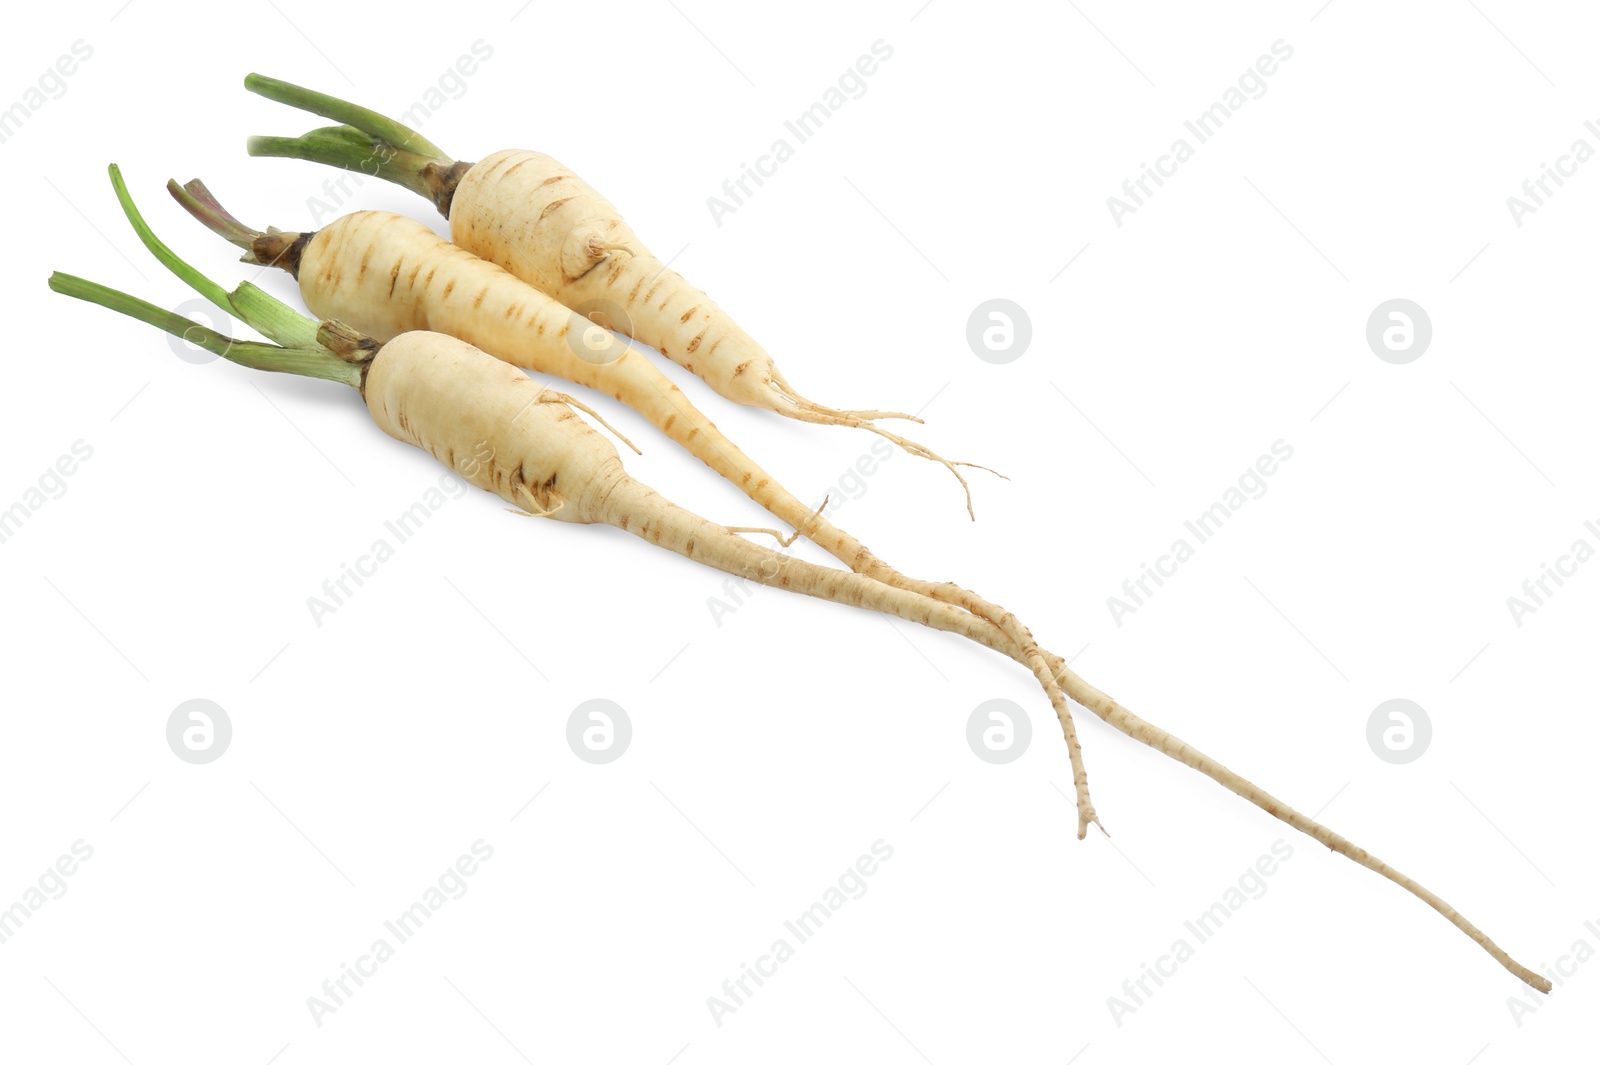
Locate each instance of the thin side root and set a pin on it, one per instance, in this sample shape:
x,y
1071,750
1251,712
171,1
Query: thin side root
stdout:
x,y
864,415
792,395
783,541
562,397
608,246
537,509
911,447
815,413
815,516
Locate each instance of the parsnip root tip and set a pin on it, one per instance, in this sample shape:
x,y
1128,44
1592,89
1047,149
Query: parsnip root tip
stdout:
x,y
985,469
1089,817
911,447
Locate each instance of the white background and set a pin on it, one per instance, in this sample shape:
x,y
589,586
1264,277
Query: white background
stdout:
x,y
769,752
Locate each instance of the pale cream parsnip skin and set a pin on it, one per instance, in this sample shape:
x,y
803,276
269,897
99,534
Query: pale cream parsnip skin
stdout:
x,y
528,214
491,424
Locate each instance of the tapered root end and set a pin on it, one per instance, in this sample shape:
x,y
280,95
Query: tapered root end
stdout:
x,y
911,447
1531,978
868,415
792,395
805,410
